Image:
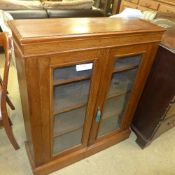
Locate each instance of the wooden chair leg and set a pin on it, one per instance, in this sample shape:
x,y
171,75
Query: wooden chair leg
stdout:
x,y
1,124
10,122
7,98
10,103
8,130
4,41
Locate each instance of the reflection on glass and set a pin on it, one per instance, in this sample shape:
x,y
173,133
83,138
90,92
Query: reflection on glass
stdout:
x,y
128,61
67,141
69,121
70,72
118,94
70,97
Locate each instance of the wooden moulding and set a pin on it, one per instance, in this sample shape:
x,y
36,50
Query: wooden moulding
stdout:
x,y
51,37
58,163
88,44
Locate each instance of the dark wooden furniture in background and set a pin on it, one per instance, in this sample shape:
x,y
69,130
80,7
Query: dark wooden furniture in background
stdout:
x,y
165,6
80,81
5,121
109,7
155,112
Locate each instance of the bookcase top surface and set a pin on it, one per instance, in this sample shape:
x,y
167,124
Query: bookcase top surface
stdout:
x,y
38,30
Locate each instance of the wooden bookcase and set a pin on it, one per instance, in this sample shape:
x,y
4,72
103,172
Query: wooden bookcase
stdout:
x,y
80,81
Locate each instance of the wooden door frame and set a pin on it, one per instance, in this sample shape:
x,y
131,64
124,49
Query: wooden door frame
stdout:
x,y
136,89
74,58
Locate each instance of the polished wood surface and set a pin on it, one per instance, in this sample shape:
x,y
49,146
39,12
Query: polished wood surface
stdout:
x,y
51,44
29,31
67,38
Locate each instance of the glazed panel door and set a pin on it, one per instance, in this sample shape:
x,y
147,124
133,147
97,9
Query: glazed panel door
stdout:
x,y
75,79
119,92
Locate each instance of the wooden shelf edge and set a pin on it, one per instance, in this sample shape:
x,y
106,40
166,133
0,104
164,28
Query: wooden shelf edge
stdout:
x,y
70,109
112,115
84,104
120,69
125,68
67,131
56,164
72,80
107,117
118,94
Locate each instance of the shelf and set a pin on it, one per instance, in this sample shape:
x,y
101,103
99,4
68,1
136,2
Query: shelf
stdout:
x,y
124,68
108,126
69,121
115,106
70,96
113,112
128,60
68,74
61,82
118,94
118,89
122,82
127,63
67,141
110,116
67,109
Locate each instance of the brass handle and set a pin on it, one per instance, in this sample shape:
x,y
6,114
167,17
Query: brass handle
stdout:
x,y
98,116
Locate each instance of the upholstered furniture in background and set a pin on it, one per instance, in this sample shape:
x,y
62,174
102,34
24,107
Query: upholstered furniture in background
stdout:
x,y
28,9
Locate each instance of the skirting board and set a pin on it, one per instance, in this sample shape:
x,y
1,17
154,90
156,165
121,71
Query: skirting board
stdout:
x,y
68,159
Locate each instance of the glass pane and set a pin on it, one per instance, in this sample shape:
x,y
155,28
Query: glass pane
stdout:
x,y
108,126
126,61
67,141
70,95
122,82
118,94
71,72
69,121
70,100
114,106
113,110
